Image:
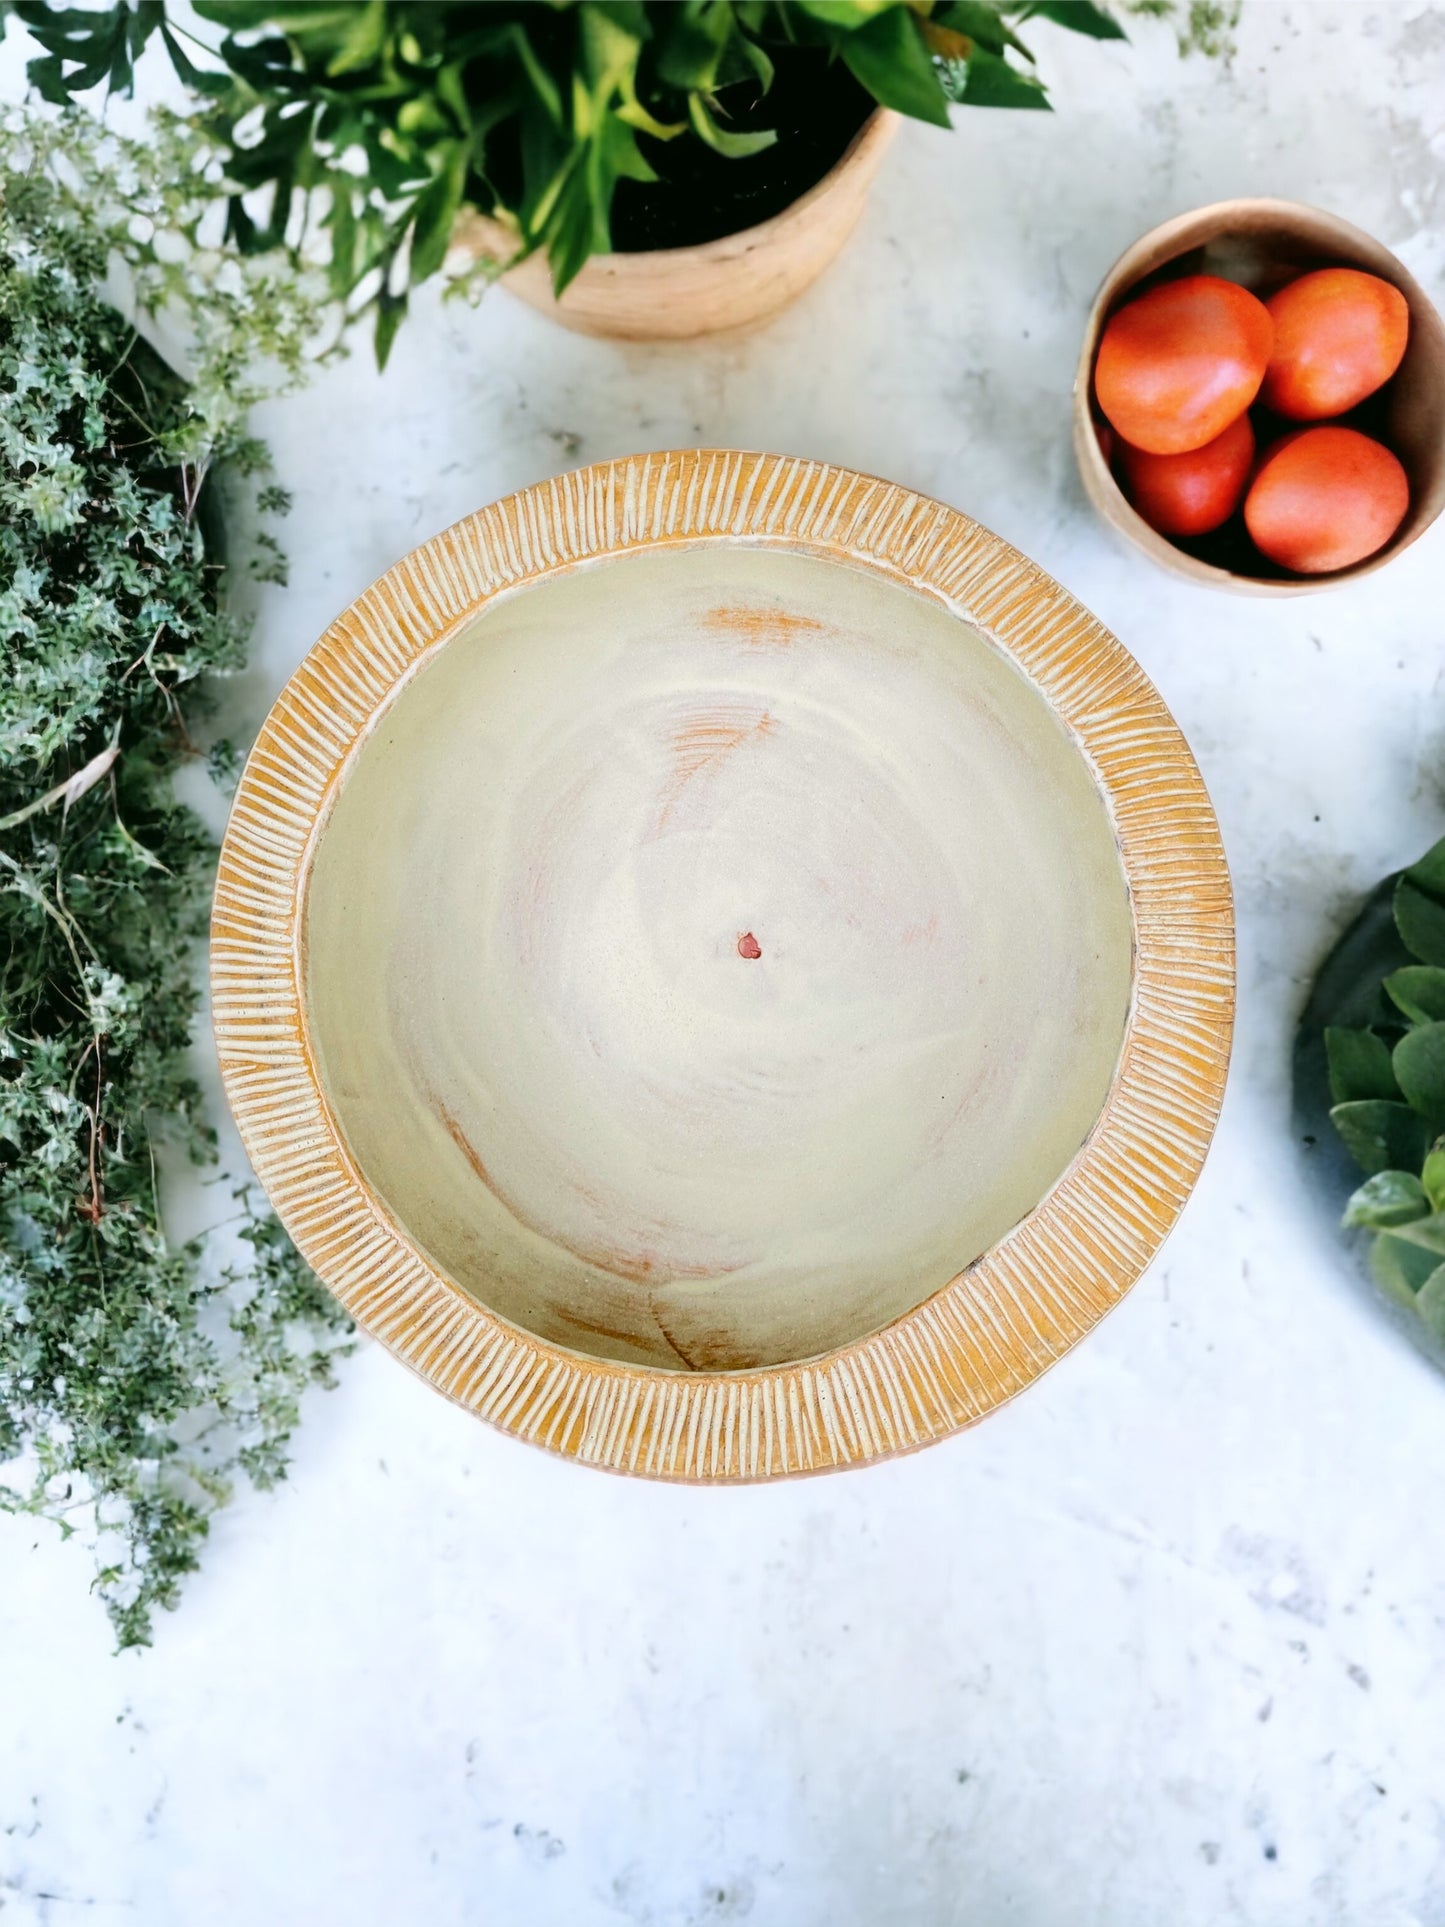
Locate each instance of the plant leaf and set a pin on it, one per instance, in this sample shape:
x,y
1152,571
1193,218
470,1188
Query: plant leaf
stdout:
x,y
1419,1062
1079,16
390,310
992,82
202,80
754,55
1381,1136
845,14
1359,1065
1388,1198
1430,1301
543,85
1420,921
1428,873
691,44
890,59
363,39
1427,1233
571,232
341,220
1433,1178
1419,991
980,22
737,147
436,211
1400,1268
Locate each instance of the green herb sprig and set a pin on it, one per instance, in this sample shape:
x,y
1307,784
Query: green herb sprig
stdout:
x,y
1387,1081
137,1376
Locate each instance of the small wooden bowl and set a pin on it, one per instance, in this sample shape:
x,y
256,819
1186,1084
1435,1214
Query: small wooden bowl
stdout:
x,y
1263,244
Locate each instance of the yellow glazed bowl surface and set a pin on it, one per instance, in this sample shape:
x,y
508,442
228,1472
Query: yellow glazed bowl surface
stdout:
x,y
723,966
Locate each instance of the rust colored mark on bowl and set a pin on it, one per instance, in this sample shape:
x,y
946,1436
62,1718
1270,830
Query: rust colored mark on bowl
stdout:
x,y
705,741
464,1144
749,947
639,1262
763,628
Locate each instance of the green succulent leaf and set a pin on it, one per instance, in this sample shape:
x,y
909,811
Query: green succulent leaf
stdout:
x,y
1433,1178
1388,1198
1426,1234
1430,1301
1359,1064
1419,1065
1381,1136
1428,873
1419,992
1400,1268
1420,921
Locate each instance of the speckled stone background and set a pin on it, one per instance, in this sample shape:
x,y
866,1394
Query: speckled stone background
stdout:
x,y
1164,1642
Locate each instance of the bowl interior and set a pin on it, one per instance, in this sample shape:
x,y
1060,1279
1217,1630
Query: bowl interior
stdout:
x,y
711,951
1262,245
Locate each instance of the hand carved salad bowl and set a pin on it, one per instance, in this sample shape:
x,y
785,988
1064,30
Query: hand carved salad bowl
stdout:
x,y
723,966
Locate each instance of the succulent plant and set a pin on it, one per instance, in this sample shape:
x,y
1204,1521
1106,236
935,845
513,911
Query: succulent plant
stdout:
x,y
1385,1053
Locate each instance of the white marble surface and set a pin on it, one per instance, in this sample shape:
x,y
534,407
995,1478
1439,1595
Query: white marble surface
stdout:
x,y
1164,1642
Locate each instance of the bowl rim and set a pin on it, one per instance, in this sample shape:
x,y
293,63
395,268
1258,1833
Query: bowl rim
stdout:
x,y
1005,1318
1176,236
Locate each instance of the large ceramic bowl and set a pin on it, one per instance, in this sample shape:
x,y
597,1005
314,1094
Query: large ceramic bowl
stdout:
x,y
723,966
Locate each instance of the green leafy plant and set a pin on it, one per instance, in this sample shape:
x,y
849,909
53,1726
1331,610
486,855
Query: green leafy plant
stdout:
x,y
136,1375
1383,994
380,121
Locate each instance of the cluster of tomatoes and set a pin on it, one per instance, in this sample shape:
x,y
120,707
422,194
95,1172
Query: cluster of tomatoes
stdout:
x,y
1178,372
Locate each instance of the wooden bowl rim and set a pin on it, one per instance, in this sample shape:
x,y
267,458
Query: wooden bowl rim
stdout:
x,y
1180,233
999,1323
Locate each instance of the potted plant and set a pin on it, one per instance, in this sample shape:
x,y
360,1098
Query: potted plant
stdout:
x,y
679,165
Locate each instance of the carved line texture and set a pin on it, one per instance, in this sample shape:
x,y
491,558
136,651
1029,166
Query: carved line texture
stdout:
x,y
994,1327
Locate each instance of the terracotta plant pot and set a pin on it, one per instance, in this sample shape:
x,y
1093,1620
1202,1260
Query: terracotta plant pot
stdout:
x,y
674,294
723,966
1263,244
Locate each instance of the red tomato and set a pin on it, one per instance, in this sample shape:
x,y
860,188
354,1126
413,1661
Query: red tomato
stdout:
x,y
1178,365
1324,498
1193,493
1338,336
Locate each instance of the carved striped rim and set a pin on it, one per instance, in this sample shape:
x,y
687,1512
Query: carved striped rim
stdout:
x,y
993,1328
